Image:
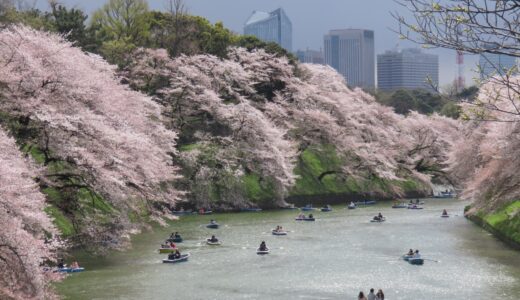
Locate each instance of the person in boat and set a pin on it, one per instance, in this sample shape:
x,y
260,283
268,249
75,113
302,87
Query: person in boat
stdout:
x,y
361,296
411,201
417,201
61,263
263,246
310,216
410,252
371,295
444,212
172,245
212,221
380,295
352,203
213,239
177,254
74,265
416,254
380,216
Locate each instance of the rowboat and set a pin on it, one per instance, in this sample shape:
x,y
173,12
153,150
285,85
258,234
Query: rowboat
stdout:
x,y
305,219
176,239
184,257
350,206
209,242
307,207
416,261
326,208
70,270
212,225
262,252
445,216
281,232
414,207
378,220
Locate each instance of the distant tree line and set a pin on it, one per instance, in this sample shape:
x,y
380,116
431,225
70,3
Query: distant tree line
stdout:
x,y
121,26
425,102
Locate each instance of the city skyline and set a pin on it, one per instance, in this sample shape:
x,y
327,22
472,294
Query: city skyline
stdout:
x,y
311,24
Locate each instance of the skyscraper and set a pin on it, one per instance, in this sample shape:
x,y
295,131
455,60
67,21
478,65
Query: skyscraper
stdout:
x,y
351,53
271,27
407,69
495,64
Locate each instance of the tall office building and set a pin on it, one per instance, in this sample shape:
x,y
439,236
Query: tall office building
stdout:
x,y
310,56
495,64
351,53
407,69
271,27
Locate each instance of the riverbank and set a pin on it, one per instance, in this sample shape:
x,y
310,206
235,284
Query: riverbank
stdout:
x,y
503,223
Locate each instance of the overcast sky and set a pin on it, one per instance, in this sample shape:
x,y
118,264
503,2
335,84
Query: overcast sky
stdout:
x,y
311,19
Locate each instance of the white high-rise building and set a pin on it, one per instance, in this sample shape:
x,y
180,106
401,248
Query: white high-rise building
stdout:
x,y
271,27
351,53
407,69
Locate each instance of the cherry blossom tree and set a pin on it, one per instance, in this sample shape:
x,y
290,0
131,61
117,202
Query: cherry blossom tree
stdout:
x,y
23,242
112,136
265,112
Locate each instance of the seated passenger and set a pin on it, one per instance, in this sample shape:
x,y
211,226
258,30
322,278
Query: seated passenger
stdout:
x,y
380,216
213,239
416,255
263,246
177,254
74,265
444,212
410,253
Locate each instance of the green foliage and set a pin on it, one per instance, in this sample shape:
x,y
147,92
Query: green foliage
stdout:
x,y
258,189
63,224
506,221
121,26
70,22
451,110
251,42
403,101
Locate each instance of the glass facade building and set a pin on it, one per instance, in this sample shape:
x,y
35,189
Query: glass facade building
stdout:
x,y
274,26
351,53
407,69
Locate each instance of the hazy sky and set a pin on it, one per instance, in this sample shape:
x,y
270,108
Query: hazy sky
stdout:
x,y
311,19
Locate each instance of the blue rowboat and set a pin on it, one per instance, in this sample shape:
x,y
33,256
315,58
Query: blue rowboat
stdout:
x,y
177,239
212,225
307,208
416,261
71,270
